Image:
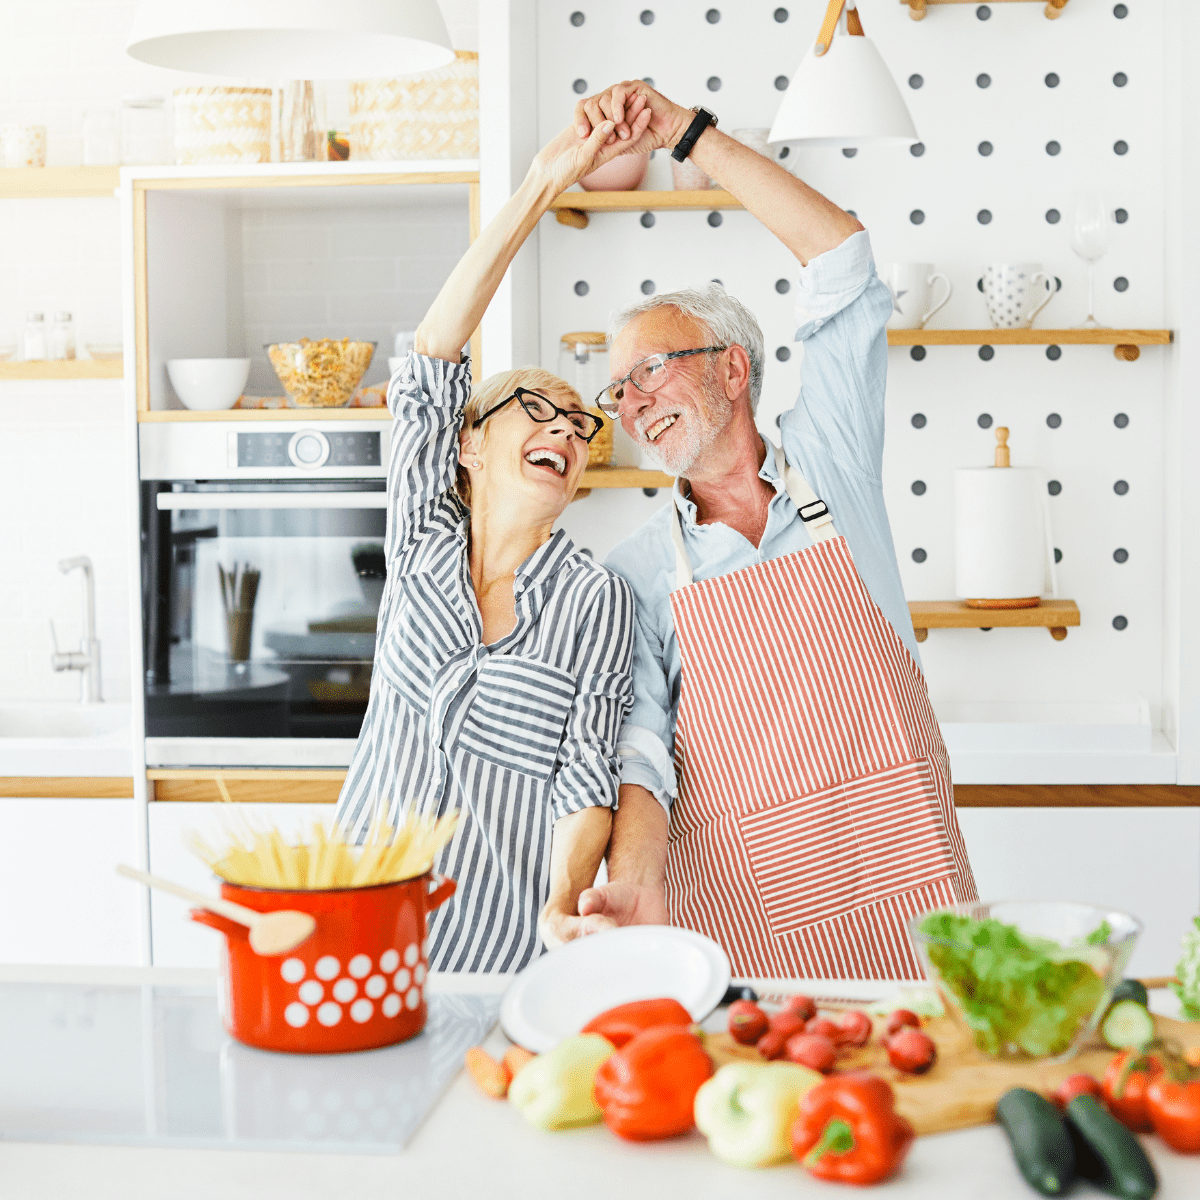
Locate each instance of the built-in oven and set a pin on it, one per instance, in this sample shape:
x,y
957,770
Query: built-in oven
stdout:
x,y
262,573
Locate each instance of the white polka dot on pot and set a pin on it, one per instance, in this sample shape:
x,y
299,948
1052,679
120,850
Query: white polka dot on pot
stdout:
x,y
389,960
391,1005
328,967
345,990
419,973
361,1010
292,970
329,1014
402,979
413,998
296,1015
360,966
311,992
375,986
412,953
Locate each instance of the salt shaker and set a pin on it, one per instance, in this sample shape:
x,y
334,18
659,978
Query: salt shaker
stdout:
x,y
35,337
62,337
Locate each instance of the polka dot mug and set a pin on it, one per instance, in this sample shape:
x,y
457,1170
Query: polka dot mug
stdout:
x,y
357,983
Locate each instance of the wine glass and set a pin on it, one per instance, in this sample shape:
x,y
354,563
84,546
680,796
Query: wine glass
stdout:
x,y
1092,231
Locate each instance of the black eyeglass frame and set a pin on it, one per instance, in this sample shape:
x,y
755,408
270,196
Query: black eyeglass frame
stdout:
x,y
664,358
598,422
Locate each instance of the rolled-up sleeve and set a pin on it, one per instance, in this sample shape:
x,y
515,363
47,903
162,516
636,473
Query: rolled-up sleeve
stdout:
x,y
587,773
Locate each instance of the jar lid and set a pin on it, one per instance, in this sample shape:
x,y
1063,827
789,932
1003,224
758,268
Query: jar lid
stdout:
x,y
142,101
62,316
588,339
34,317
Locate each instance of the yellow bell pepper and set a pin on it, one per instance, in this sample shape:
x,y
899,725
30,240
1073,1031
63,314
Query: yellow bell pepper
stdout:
x,y
746,1111
554,1090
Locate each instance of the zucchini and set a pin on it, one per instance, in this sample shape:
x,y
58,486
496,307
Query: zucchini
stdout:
x,y
1127,1025
1040,1141
1130,989
1107,1153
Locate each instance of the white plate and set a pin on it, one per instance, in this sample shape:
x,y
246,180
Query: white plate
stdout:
x,y
559,993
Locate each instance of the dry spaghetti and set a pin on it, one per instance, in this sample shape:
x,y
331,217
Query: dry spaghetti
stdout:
x,y
263,857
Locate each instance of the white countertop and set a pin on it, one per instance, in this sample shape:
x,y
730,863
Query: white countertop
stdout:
x,y
471,1145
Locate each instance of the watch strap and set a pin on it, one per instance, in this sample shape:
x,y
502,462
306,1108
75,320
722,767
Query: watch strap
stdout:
x,y
702,120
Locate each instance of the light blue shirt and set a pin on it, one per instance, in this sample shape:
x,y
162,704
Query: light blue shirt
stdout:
x,y
834,435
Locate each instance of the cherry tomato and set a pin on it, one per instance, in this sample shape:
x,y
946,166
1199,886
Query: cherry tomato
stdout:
x,y
898,1019
802,1006
747,1022
1075,1085
854,1028
911,1050
812,1050
823,1027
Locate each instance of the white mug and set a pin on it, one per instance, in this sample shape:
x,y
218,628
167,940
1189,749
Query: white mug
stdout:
x,y
911,285
1016,293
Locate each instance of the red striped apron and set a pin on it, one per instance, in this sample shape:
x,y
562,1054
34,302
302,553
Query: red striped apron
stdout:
x,y
815,813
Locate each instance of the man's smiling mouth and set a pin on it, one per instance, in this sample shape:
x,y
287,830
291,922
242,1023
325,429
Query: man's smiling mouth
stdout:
x,y
660,427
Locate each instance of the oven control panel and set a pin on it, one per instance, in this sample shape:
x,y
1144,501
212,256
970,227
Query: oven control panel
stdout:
x,y
308,449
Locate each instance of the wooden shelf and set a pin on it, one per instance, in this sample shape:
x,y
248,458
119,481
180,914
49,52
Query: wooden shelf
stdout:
x,y
625,477
76,368
572,208
379,413
1054,615
263,785
49,183
1053,8
1125,342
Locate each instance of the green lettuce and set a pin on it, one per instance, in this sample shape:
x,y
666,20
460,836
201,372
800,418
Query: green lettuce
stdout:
x,y
1188,971
1016,989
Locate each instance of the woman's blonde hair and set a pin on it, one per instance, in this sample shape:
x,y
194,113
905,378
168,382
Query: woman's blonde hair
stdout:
x,y
494,389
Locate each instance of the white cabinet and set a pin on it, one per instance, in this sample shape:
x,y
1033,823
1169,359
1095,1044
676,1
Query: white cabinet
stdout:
x,y
61,900
178,941
1145,861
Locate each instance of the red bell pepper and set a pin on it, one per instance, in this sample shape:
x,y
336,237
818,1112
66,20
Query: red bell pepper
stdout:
x,y
619,1024
1124,1087
849,1131
648,1088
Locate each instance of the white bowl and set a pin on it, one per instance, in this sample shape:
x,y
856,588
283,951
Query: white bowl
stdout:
x,y
208,384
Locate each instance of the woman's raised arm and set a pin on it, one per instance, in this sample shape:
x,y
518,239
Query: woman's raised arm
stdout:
x,y
464,297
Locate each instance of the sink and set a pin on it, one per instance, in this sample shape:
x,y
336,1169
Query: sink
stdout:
x,y
60,738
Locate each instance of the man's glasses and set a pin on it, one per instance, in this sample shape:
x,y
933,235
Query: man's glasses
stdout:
x,y
647,376
538,408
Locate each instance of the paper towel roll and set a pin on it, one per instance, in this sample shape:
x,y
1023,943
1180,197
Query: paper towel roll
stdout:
x,y
999,533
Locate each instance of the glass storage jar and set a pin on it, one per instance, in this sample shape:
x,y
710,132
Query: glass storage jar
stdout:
x,y
35,337
583,363
143,131
61,342
101,146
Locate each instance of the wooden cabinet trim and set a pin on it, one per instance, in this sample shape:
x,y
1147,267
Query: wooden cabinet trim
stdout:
x,y
67,787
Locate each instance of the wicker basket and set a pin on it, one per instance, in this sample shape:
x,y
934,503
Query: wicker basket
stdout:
x,y
600,448
433,114
222,125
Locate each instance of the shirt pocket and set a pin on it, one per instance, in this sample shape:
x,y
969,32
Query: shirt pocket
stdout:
x,y
517,717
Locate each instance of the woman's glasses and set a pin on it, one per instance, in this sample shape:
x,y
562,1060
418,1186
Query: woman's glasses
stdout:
x,y
538,408
647,376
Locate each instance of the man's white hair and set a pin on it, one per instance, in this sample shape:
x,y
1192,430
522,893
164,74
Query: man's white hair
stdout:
x,y
728,322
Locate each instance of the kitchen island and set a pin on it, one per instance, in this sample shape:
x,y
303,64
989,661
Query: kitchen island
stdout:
x,y
468,1145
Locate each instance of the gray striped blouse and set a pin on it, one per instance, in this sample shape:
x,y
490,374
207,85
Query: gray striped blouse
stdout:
x,y
515,734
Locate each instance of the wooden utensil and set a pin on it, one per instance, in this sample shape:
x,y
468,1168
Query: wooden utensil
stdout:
x,y
271,933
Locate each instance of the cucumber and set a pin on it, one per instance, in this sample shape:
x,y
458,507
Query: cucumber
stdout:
x,y
1040,1141
1129,989
1128,1024
1107,1153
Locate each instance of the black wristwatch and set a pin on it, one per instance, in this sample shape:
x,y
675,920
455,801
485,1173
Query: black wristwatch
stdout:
x,y
700,123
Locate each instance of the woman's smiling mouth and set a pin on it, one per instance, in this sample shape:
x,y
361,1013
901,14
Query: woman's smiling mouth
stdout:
x,y
547,459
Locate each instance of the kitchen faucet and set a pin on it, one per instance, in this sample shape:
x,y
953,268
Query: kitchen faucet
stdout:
x,y
86,659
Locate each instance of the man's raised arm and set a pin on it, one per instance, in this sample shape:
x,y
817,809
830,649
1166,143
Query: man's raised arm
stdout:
x,y
806,222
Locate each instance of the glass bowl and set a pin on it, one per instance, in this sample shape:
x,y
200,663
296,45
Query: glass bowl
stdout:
x,y
320,374
1029,978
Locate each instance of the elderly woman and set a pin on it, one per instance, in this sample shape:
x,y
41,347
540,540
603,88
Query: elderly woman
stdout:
x,y
502,665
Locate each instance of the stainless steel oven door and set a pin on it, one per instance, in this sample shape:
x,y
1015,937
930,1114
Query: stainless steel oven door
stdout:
x,y
260,602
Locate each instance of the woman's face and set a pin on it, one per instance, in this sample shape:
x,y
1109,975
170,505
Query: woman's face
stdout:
x,y
539,461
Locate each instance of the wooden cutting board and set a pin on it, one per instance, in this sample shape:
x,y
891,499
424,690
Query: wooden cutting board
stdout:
x,y
962,1087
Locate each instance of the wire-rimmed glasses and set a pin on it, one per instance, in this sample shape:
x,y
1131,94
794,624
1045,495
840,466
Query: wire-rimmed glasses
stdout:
x,y
647,376
543,410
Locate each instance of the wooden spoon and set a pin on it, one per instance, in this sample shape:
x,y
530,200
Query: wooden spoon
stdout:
x,y
271,933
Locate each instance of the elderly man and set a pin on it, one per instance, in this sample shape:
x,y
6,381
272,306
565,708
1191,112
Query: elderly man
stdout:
x,y
785,788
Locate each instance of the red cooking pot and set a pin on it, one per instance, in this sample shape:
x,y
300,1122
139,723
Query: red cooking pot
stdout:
x,y
358,982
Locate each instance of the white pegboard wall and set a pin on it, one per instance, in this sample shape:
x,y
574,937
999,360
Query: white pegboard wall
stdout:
x,y
926,207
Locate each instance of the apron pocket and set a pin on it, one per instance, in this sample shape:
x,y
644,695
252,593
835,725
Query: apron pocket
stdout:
x,y
517,718
848,846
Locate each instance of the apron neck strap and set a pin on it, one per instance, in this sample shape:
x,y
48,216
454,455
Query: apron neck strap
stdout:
x,y
813,512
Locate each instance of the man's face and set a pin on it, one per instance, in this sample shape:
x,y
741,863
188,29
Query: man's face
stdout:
x,y
679,421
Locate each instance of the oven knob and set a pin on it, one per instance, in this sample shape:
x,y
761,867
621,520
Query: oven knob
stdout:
x,y
308,449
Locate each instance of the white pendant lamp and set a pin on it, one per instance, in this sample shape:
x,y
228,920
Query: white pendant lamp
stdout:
x,y
292,39
842,93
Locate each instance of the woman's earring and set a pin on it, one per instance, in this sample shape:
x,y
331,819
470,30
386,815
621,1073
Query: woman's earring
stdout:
x,y
477,464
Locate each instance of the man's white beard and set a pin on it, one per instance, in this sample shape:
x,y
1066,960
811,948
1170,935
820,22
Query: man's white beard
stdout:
x,y
694,436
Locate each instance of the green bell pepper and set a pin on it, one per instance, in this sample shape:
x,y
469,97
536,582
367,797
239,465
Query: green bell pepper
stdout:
x,y
554,1090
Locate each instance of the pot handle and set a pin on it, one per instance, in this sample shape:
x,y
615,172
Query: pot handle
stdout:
x,y
231,929
442,887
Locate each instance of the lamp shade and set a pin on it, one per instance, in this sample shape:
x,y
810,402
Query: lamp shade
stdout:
x,y
843,97
292,39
